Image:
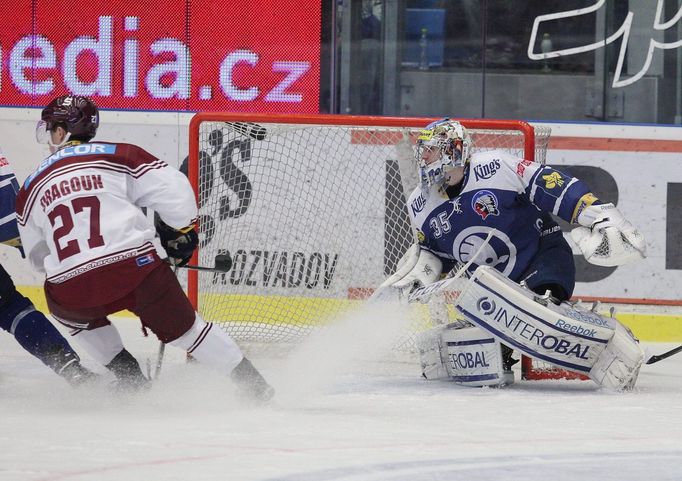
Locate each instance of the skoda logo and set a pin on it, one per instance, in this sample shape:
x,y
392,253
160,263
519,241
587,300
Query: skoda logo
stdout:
x,y
485,305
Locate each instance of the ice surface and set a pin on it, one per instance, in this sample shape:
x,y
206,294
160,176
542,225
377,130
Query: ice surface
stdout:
x,y
342,413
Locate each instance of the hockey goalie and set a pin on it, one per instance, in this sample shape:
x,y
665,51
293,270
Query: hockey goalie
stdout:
x,y
491,212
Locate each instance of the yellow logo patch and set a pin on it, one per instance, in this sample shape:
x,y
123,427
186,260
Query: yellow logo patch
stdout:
x,y
426,134
553,180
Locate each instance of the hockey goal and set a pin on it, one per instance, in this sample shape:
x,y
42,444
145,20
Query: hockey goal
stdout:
x,y
312,210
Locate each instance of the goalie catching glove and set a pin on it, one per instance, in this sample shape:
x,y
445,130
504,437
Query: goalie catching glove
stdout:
x,y
606,238
178,243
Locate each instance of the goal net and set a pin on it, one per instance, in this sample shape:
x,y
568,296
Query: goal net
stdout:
x,y
312,210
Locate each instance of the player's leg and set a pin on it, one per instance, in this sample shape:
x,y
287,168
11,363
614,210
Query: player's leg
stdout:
x,y
165,310
462,353
564,335
553,267
101,340
35,333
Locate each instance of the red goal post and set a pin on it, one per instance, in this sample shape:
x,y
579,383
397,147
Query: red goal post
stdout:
x,y
312,209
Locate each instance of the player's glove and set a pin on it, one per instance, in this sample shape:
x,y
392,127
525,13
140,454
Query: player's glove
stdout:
x,y
179,243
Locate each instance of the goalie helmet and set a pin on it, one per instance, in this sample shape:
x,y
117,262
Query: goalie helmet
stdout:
x,y
78,115
441,146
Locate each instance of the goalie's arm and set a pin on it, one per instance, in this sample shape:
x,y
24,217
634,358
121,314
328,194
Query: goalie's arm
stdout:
x,y
604,236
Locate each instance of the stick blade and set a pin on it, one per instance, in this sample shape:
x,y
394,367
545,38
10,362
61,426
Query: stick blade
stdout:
x,y
223,262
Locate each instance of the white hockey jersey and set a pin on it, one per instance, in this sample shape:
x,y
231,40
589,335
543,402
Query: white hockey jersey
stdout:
x,y
81,210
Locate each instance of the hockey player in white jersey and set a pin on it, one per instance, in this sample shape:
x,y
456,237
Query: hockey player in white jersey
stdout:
x,y
80,215
462,199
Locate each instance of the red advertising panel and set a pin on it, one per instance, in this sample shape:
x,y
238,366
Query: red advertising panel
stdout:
x,y
164,54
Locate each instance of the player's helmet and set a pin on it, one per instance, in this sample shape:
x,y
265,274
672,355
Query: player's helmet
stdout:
x,y
441,146
78,115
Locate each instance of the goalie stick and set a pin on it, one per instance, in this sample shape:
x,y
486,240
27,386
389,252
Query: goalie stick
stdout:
x,y
659,357
423,294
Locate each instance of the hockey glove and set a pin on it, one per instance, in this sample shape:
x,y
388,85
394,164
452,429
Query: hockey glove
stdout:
x,y
418,267
607,238
179,243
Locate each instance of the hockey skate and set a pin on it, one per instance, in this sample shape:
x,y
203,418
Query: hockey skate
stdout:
x,y
78,376
507,360
252,386
68,366
129,377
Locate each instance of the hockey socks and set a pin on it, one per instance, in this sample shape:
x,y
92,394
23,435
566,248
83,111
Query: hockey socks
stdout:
x,y
104,344
212,346
35,333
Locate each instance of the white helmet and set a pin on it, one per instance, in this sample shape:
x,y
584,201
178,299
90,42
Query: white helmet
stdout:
x,y
441,146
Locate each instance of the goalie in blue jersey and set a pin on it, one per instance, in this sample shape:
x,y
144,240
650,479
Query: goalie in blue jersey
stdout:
x,y
494,208
18,316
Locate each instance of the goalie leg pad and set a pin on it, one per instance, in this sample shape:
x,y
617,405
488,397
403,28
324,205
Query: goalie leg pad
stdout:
x,y
564,335
463,353
618,365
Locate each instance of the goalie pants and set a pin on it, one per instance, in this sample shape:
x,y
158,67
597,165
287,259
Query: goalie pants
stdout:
x,y
552,267
158,300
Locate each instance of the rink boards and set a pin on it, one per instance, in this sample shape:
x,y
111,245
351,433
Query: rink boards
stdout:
x,y
646,324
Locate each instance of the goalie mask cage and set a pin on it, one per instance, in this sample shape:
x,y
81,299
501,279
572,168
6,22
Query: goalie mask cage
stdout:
x,y
312,210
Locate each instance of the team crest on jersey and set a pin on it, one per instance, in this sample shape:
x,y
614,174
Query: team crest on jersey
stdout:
x,y
485,203
499,252
553,180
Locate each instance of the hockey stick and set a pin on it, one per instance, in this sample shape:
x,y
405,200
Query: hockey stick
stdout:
x,y
223,263
665,355
159,359
250,129
423,294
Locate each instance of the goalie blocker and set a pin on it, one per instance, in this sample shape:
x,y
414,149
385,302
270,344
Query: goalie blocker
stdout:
x,y
564,335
